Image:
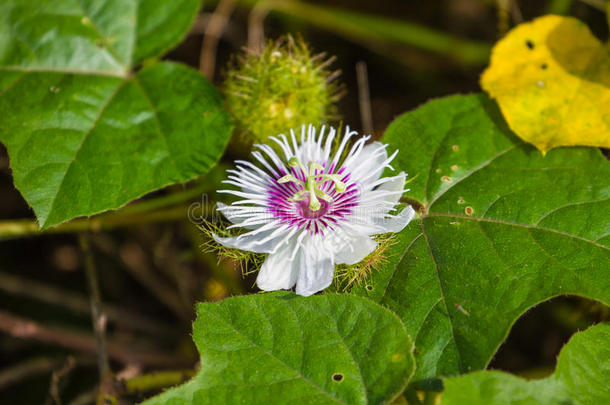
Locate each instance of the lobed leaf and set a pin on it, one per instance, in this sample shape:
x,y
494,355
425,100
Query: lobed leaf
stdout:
x,y
501,229
581,378
282,348
83,133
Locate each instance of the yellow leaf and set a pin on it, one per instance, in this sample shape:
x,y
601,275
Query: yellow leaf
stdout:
x,y
551,78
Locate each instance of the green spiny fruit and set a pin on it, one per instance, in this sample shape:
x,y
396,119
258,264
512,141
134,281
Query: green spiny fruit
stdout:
x,y
279,88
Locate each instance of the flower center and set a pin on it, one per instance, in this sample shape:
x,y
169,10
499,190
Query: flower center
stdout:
x,y
311,186
308,213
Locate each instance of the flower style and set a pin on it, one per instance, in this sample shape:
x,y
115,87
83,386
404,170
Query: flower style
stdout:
x,y
309,210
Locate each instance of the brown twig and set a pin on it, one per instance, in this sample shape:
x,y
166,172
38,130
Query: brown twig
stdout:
x,y
77,303
139,267
364,98
85,398
515,12
97,314
169,259
138,264
256,27
27,329
26,369
598,4
212,34
56,380
201,22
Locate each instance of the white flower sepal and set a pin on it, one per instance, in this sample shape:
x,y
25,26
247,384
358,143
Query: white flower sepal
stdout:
x,y
311,211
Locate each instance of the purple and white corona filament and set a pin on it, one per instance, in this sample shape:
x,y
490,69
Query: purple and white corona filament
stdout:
x,y
309,210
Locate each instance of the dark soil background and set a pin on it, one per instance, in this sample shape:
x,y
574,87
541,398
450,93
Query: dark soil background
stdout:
x,y
151,274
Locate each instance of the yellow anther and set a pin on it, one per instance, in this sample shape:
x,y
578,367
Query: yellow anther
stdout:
x,y
289,177
312,183
313,166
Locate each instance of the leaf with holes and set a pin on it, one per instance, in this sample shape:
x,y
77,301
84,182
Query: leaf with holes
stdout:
x,y
84,133
282,348
551,78
581,378
501,229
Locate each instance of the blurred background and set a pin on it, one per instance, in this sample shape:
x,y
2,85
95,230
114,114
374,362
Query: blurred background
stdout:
x,y
393,56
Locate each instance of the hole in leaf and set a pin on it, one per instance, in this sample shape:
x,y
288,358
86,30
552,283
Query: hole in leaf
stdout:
x,y
369,288
529,44
338,377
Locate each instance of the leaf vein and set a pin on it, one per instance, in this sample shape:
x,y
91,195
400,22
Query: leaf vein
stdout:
x,y
85,136
440,286
270,354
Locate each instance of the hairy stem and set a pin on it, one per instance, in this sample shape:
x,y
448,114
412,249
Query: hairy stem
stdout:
x,y
157,380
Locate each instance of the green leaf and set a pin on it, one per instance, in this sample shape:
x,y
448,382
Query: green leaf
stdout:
x,y
581,378
161,25
501,229
89,36
281,348
83,133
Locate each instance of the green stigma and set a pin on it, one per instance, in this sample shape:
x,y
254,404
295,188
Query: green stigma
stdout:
x,y
313,181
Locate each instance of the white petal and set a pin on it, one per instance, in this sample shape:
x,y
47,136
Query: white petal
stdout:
x,y
385,195
309,150
278,272
368,166
342,145
245,216
257,241
355,249
283,143
229,214
396,223
329,143
395,185
316,268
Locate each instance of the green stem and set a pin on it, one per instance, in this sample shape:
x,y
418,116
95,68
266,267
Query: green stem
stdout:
x,y
28,227
164,201
145,211
430,397
559,7
371,30
157,380
411,397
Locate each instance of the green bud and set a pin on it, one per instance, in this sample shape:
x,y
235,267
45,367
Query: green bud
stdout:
x,y
282,87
